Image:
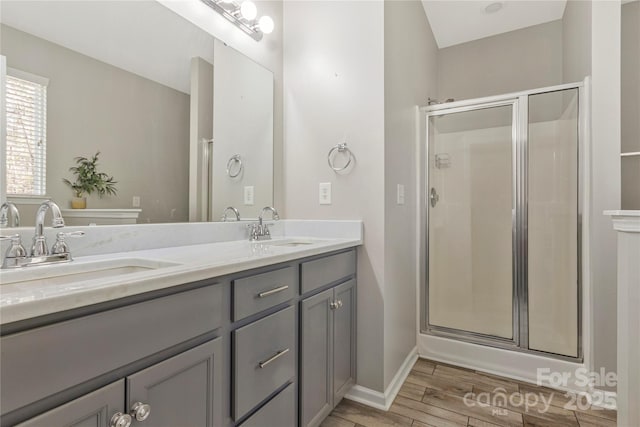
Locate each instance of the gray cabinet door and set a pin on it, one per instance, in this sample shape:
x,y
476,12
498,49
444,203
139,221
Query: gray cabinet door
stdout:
x,y
344,343
92,410
316,358
279,412
183,390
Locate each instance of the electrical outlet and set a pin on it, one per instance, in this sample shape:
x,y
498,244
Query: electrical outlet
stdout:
x,y
248,195
325,193
135,202
400,195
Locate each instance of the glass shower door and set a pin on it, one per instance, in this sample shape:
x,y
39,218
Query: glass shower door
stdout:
x,y
471,208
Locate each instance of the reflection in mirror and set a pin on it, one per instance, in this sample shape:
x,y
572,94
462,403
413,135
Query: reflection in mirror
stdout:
x,y
114,77
231,136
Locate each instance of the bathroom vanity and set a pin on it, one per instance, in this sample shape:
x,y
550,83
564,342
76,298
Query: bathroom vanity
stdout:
x,y
266,339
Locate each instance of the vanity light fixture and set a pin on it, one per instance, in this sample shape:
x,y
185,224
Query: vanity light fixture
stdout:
x,y
243,15
248,10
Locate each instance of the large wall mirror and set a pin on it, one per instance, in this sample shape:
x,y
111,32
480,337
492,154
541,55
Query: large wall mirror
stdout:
x,y
182,122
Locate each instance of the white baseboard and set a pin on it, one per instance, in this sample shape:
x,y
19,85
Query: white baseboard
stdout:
x,y
506,363
379,400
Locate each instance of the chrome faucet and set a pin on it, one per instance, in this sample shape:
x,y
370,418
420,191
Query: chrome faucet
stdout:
x,y
235,211
5,209
39,247
260,231
16,255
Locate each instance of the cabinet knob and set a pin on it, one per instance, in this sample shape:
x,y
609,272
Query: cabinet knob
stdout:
x,y
140,411
335,304
120,420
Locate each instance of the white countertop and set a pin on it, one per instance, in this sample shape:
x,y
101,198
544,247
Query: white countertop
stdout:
x,y
20,301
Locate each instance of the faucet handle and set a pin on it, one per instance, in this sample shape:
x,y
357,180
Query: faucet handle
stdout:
x,y
254,231
16,250
60,246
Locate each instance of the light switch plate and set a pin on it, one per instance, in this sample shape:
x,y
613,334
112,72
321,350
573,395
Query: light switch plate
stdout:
x,y
325,193
248,195
135,202
400,194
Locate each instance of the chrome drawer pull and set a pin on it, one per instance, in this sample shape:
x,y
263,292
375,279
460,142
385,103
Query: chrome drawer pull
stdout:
x,y
273,291
272,358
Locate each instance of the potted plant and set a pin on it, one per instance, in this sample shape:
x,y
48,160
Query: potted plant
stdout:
x,y
88,180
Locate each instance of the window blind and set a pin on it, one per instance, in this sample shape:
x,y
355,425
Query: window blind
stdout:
x,y
26,110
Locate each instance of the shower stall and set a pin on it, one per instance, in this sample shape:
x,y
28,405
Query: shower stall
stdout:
x,y
502,219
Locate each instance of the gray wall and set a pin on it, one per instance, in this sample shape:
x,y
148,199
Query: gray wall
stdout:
x,y
140,127
518,60
605,177
630,74
576,41
410,77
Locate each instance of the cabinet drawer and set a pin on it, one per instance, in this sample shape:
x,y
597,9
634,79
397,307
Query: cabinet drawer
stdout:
x,y
256,293
327,270
40,362
265,359
279,412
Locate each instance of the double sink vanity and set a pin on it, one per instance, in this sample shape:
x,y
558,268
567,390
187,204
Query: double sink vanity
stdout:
x,y
215,330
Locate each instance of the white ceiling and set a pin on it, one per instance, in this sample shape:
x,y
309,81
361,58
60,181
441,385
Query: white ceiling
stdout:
x,y
459,21
142,37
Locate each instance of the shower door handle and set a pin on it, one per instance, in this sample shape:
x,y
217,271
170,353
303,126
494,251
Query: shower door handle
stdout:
x,y
433,197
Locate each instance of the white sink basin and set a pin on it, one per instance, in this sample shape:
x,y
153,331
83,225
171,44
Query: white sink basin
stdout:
x,y
291,243
79,271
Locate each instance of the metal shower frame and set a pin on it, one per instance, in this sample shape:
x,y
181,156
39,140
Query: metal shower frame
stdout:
x,y
519,103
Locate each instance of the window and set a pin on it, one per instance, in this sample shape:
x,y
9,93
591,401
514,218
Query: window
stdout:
x,y
26,109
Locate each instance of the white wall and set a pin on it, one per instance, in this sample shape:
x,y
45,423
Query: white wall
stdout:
x,y
356,70
410,77
334,89
591,46
605,190
242,125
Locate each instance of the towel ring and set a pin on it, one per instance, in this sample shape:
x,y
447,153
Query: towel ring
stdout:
x,y
340,148
236,158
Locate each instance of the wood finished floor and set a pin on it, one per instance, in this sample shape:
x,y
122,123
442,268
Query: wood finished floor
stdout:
x,y
434,395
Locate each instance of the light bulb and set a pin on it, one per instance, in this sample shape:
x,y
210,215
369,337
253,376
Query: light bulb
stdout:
x,y
248,10
266,24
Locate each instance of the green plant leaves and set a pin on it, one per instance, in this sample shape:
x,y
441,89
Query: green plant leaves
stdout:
x,y
88,180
